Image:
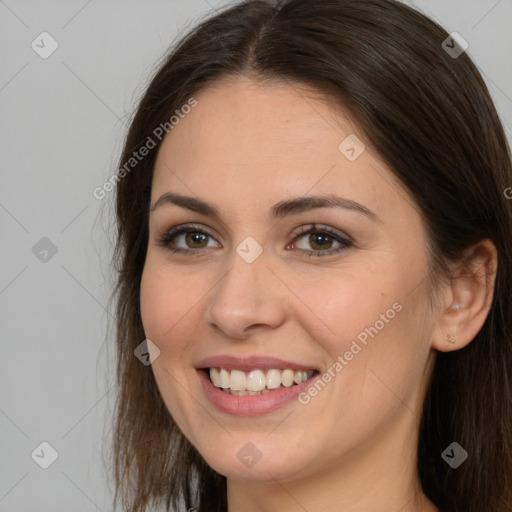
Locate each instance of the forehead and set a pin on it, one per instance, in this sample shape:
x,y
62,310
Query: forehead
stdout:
x,y
238,120
251,143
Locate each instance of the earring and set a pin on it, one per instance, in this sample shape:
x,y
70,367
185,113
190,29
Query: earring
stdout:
x,y
451,339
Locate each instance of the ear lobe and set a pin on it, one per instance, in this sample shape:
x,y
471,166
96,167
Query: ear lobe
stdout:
x,y
467,298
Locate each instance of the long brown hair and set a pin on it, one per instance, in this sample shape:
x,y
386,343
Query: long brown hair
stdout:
x,y
431,119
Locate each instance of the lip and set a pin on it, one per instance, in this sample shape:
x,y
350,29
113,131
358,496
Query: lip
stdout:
x,y
251,405
251,363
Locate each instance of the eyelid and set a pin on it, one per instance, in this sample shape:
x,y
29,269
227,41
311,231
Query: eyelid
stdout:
x,y
323,228
339,236
345,241
184,228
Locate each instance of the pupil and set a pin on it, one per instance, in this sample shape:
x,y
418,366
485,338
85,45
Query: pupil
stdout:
x,y
319,239
196,237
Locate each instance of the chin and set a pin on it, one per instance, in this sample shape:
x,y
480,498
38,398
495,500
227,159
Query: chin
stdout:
x,y
261,461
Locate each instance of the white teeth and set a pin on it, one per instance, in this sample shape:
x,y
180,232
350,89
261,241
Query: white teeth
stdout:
x,y
215,376
224,379
287,378
256,382
273,379
238,381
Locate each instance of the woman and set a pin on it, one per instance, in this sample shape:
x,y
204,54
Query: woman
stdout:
x,y
314,250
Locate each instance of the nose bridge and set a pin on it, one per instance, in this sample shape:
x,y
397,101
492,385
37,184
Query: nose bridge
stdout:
x,y
247,293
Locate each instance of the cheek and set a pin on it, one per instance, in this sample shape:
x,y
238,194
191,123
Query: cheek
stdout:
x,y
154,302
347,304
370,321
167,300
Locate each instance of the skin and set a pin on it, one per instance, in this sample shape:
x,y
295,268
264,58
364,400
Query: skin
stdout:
x,y
245,147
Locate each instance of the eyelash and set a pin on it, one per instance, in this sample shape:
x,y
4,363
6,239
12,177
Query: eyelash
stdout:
x,y
305,230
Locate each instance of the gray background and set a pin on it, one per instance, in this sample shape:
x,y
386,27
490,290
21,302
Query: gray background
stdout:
x,y
61,126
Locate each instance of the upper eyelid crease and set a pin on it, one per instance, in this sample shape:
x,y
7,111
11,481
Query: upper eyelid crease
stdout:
x,y
341,238
278,211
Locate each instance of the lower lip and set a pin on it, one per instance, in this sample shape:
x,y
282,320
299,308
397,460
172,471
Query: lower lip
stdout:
x,y
251,405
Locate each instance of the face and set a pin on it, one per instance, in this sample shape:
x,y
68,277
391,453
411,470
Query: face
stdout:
x,y
263,280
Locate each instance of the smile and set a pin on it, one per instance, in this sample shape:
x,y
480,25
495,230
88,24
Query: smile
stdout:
x,y
254,385
249,386
257,382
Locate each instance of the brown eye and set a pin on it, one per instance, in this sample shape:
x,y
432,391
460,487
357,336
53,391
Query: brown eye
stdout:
x,y
195,237
186,238
321,241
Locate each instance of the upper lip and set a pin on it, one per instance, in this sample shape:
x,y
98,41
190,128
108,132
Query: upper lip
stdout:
x,y
250,363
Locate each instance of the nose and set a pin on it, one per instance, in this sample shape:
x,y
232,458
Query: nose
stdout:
x,y
248,298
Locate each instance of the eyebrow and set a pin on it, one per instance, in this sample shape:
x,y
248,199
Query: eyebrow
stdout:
x,y
278,211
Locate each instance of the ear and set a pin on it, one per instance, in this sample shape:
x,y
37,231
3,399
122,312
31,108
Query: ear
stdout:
x,y
467,298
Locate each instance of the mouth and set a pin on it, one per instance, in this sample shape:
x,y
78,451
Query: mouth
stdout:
x,y
259,381
255,385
